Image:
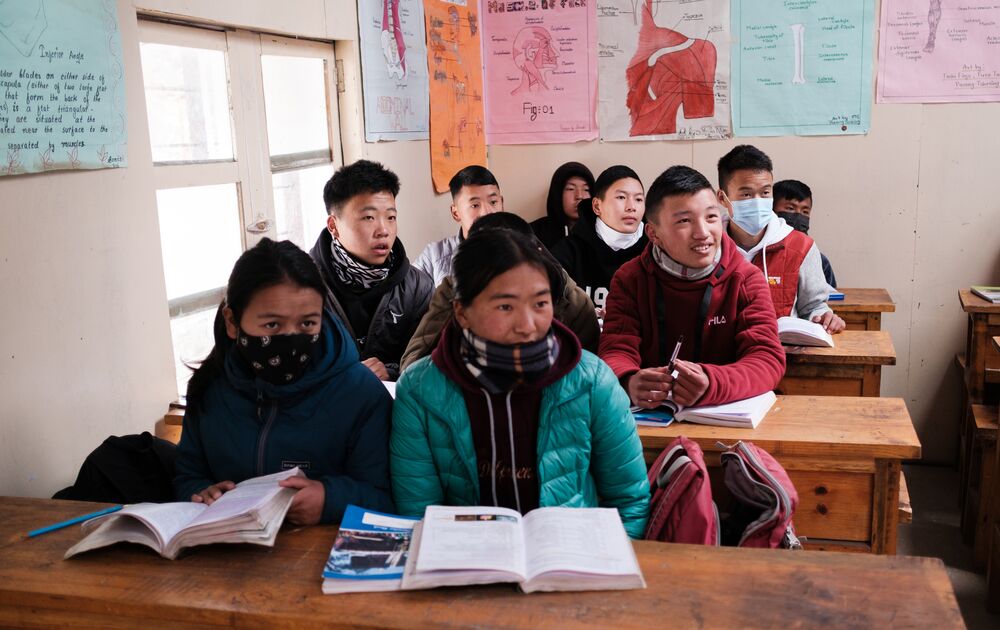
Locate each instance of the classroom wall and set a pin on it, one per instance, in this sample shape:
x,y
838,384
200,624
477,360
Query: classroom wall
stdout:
x,y
86,340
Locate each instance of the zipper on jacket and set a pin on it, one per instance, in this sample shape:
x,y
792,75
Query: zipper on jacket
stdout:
x,y
262,440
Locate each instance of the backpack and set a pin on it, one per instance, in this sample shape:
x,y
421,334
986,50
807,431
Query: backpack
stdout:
x,y
125,469
760,508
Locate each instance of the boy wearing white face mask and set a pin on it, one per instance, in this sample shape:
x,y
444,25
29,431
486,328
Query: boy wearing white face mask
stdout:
x,y
789,259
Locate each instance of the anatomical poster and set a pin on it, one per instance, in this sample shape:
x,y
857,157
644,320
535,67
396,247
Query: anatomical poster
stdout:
x,y
932,51
458,132
540,70
664,69
393,69
802,67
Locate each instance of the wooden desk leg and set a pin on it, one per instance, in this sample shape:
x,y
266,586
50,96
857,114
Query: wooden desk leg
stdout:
x,y
975,367
871,381
874,321
987,503
885,506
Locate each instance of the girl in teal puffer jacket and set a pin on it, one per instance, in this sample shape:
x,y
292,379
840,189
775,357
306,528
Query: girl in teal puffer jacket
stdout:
x,y
508,410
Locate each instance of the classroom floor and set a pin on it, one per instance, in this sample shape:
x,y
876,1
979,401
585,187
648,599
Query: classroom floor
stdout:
x,y
934,532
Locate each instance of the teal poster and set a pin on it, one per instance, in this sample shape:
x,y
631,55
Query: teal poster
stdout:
x,y
62,86
802,67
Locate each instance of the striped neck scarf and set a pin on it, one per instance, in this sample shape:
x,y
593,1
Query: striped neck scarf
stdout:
x,y
678,270
353,272
500,367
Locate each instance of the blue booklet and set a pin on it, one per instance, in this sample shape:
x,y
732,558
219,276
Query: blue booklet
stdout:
x,y
835,296
369,553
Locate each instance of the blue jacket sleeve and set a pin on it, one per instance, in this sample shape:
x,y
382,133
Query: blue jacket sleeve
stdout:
x,y
616,457
415,482
191,471
365,481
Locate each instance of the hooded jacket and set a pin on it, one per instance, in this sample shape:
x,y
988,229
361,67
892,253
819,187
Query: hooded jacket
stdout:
x,y
793,267
588,452
589,260
394,307
436,258
333,422
554,226
573,308
740,350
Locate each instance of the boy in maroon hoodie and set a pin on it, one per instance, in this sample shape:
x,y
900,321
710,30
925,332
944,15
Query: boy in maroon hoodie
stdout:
x,y
690,285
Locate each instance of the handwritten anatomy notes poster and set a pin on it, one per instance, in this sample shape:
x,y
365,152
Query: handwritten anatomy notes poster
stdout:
x,y
540,60
62,86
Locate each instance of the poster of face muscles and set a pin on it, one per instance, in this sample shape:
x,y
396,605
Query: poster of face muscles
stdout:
x,y
540,70
664,69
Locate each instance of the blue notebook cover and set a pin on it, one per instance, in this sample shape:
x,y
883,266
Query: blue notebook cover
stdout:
x,y
835,296
370,546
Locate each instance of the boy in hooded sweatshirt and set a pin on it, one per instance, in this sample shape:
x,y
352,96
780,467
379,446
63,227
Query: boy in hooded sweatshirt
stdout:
x,y
371,285
691,285
793,202
790,260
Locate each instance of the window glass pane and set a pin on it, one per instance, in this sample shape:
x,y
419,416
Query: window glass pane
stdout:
x,y
193,340
200,237
295,104
187,101
298,204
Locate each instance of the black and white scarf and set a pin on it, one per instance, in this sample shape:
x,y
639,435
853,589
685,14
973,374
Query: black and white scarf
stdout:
x,y
500,367
678,270
355,273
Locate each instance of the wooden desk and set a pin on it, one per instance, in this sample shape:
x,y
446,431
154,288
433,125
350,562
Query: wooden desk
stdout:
x,y
842,453
982,358
993,565
852,368
246,586
862,308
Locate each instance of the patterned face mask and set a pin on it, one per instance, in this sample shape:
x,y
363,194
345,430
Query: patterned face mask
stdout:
x,y
277,359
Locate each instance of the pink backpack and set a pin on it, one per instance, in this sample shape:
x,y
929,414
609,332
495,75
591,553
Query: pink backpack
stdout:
x,y
762,499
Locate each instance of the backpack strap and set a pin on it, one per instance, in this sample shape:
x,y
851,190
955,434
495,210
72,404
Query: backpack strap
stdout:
x,y
661,318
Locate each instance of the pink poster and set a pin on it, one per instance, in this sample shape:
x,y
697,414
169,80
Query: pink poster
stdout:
x,y
932,51
540,62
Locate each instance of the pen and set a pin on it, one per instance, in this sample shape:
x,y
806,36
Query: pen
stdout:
x,y
673,357
73,521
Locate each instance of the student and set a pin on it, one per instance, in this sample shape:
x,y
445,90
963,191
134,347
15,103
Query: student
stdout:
x,y
474,193
571,184
508,410
789,259
283,387
573,308
371,285
690,283
608,233
793,202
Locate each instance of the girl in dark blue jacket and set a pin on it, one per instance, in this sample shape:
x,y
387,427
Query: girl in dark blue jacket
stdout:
x,y
283,387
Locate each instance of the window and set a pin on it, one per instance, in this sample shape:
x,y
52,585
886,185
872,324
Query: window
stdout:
x,y
232,166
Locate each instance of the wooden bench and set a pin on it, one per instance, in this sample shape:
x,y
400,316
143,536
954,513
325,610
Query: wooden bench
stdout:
x,y
976,517
843,454
852,368
993,552
862,309
982,369
255,587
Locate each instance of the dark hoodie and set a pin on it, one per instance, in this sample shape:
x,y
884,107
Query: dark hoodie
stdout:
x,y
382,319
588,260
512,444
333,422
552,228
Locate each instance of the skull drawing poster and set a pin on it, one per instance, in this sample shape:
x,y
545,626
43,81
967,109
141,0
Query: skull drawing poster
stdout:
x,y
393,69
540,61
664,69
458,134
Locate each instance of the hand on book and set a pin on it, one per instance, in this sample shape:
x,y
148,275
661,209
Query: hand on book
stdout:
x,y
211,494
830,322
691,382
307,505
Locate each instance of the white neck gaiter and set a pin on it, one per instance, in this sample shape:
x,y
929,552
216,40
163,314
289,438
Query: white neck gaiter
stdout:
x,y
615,239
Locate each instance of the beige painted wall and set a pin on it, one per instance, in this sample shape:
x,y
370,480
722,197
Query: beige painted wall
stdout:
x,y
86,339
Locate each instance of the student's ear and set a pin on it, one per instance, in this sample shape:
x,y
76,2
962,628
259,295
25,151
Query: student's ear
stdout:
x,y
454,213
231,327
651,234
724,201
331,224
595,205
460,315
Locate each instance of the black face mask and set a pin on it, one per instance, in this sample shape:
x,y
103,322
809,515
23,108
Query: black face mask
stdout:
x,y
797,221
277,359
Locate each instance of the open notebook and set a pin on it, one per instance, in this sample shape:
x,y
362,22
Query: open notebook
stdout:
x,y
746,413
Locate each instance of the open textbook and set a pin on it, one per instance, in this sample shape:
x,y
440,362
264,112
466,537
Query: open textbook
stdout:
x,y
369,553
745,413
252,512
990,294
549,549
793,331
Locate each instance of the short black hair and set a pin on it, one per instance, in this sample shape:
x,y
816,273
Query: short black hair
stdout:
x,y
676,180
472,175
362,177
500,221
791,189
490,253
604,182
744,157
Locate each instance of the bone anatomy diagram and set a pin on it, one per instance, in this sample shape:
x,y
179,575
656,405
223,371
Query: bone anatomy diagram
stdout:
x,y
393,46
535,56
933,18
669,70
798,38
22,23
